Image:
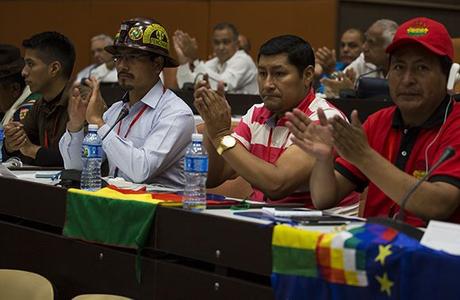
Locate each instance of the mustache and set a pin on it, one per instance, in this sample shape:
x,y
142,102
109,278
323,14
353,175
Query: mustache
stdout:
x,y
408,92
263,96
126,74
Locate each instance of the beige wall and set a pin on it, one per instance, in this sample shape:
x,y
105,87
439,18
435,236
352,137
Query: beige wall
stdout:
x,y
314,20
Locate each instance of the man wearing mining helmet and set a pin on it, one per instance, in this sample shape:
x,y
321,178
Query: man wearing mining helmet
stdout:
x,y
149,143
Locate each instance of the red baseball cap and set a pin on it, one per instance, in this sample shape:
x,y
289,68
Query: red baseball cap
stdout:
x,y
426,32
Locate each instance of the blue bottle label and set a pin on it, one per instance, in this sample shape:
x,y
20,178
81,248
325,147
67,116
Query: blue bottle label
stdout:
x,y
196,164
91,151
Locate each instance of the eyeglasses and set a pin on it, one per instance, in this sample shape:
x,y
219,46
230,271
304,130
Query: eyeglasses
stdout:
x,y
129,57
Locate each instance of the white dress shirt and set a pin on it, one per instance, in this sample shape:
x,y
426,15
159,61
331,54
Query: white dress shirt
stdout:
x,y
361,67
85,72
103,74
154,148
239,73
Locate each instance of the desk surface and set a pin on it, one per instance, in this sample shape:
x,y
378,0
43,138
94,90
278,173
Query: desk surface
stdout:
x,y
210,253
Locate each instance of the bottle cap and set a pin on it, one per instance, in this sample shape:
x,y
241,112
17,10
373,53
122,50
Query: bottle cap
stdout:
x,y
93,127
197,137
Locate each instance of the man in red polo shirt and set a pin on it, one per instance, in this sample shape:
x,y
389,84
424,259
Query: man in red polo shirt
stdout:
x,y
259,148
396,146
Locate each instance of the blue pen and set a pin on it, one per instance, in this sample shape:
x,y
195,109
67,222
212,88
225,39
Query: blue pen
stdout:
x,y
56,176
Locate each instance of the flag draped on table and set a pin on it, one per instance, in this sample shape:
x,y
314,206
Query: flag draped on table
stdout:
x,y
368,262
110,217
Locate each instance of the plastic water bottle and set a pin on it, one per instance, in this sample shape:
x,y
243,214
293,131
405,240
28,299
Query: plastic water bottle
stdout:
x,y
2,135
91,156
196,172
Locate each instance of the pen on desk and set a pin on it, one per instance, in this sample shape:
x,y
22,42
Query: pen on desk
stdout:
x,y
318,223
56,176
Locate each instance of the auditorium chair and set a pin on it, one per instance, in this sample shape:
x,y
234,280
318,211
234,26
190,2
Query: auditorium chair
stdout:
x,y
99,297
23,285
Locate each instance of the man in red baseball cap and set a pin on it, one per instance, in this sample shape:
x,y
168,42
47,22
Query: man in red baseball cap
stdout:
x,y
398,145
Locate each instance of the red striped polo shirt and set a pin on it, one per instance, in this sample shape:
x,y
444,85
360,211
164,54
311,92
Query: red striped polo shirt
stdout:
x,y
267,138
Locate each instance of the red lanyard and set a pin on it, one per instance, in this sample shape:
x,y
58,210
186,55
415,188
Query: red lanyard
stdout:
x,y
136,118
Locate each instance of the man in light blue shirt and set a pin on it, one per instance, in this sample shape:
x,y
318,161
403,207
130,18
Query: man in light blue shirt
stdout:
x,y
148,145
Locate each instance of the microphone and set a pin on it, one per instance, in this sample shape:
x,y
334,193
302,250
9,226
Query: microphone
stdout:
x,y
365,74
399,224
367,87
123,113
448,153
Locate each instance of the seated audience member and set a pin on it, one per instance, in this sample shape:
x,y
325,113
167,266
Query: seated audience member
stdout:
x,y
372,62
230,65
244,44
396,146
259,148
149,143
103,68
351,44
15,97
49,59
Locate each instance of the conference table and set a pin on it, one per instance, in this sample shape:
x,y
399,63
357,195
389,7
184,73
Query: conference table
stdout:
x,y
207,254
187,253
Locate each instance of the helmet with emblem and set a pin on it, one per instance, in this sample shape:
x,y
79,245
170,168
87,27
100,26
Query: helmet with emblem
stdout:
x,y
143,34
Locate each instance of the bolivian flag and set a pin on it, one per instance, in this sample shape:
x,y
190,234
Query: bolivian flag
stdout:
x,y
369,262
109,217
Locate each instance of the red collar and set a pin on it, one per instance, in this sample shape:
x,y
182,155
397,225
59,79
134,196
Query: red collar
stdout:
x,y
266,115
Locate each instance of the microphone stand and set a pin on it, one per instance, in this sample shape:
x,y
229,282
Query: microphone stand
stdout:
x,y
123,113
399,223
365,74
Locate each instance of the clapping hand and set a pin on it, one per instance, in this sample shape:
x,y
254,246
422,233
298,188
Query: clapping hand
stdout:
x,y
327,59
78,104
15,136
96,105
214,109
315,139
350,140
332,87
186,47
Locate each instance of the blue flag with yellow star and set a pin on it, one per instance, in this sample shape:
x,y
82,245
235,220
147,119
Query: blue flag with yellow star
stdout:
x,y
369,262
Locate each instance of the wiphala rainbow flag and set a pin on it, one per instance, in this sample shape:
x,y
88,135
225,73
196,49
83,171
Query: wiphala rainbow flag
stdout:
x,y
369,262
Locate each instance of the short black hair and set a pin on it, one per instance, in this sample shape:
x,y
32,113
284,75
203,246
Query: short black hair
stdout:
x,y
362,38
53,46
229,26
15,78
300,53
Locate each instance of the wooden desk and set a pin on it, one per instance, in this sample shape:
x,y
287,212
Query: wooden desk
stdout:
x,y
187,253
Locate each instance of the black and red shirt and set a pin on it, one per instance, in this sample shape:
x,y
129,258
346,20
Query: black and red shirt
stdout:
x,y
405,148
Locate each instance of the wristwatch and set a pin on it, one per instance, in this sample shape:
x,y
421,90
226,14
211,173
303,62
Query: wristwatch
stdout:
x,y
226,142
